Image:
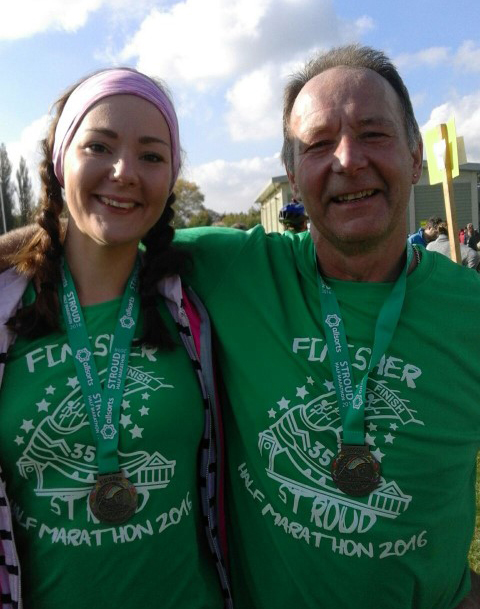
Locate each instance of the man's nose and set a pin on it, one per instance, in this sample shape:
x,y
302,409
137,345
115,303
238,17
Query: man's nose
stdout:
x,y
349,155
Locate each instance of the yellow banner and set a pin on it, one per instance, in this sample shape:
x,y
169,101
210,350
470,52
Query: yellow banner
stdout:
x,y
436,149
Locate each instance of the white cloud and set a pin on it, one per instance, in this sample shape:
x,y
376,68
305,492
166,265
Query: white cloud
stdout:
x,y
234,186
200,43
28,17
466,111
467,57
192,41
364,24
430,57
255,105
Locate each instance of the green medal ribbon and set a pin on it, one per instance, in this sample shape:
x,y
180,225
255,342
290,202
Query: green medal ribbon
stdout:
x,y
351,398
103,405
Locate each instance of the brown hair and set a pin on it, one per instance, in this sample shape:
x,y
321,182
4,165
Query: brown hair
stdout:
x,y
353,56
40,258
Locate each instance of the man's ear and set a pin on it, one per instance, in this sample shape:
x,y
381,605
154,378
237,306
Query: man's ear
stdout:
x,y
417,156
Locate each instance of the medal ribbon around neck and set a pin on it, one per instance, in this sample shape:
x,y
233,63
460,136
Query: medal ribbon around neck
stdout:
x,y
103,405
351,398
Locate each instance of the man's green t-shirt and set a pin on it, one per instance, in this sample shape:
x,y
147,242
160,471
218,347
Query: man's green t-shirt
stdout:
x,y
159,557
295,539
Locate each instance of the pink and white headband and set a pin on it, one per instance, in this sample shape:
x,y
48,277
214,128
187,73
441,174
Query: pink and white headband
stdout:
x,y
104,84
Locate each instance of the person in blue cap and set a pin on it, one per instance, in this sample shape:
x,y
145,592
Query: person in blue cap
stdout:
x,y
293,217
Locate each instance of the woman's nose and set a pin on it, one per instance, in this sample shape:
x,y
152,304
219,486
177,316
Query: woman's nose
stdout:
x,y
124,170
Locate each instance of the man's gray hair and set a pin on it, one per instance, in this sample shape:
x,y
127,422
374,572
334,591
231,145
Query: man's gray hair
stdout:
x,y
352,56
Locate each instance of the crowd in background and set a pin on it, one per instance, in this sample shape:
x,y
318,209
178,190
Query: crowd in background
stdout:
x,y
434,236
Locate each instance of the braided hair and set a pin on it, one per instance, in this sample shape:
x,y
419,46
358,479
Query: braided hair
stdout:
x,y
40,258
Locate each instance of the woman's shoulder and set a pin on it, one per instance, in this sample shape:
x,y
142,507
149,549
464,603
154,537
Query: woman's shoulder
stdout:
x,y
12,287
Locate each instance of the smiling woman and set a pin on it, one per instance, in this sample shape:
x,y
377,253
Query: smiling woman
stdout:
x,y
102,412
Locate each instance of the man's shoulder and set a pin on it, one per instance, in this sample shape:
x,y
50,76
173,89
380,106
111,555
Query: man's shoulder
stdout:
x,y
448,273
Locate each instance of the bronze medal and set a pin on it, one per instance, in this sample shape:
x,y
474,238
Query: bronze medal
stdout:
x,y
113,499
355,471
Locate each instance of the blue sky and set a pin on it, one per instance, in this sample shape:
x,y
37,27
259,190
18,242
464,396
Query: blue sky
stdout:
x,y
225,62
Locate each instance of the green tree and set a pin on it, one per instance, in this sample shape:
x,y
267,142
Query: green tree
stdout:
x,y
24,192
189,202
250,218
7,191
203,218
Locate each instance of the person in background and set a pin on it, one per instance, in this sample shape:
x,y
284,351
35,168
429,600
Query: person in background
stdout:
x,y
293,217
425,235
470,257
108,422
472,237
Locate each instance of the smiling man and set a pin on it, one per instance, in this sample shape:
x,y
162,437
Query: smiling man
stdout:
x,y
353,168
351,457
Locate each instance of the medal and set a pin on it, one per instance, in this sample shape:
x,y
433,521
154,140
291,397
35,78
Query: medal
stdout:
x,y
113,499
355,471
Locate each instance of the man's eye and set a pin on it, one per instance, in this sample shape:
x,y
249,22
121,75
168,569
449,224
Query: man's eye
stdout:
x,y
319,145
374,134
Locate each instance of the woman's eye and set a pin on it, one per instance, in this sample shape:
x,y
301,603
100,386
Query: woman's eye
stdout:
x,y
152,157
96,147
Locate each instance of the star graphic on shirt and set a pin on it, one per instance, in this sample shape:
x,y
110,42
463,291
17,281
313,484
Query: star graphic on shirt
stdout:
x,y
369,439
310,381
283,403
389,438
301,392
72,382
378,455
372,427
18,440
126,404
27,425
43,405
136,431
125,420
145,396
393,426
50,390
272,413
329,386
143,410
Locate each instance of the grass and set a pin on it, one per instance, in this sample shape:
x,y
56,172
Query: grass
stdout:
x,y
474,556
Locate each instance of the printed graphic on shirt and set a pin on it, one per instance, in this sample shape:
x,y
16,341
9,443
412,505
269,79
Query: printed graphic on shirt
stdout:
x,y
306,431
51,447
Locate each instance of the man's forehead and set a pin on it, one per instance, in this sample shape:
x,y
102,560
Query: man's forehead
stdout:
x,y
343,86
